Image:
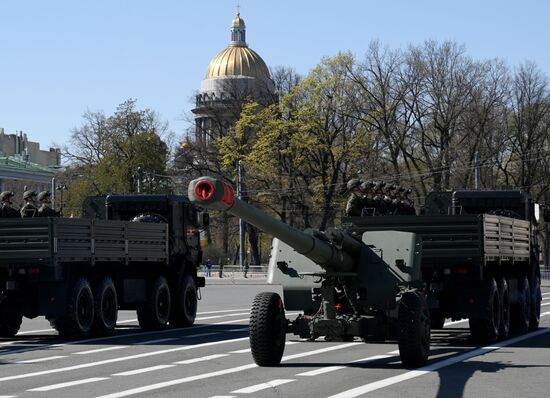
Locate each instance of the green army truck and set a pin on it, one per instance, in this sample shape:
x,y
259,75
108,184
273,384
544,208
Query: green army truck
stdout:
x,y
128,252
480,258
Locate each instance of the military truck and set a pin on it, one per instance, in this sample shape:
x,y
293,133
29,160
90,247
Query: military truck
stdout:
x,y
346,286
128,252
480,258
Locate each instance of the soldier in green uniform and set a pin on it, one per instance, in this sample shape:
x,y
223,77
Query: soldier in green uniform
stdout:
x,y
45,209
354,206
368,202
6,209
29,208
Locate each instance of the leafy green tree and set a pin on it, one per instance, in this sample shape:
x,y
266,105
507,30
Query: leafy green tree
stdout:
x,y
106,151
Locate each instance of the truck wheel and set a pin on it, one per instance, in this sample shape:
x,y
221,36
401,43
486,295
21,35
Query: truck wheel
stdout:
x,y
106,307
154,313
267,329
536,298
485,327
10,318
413,329
521,311
184,308
79,315
504,293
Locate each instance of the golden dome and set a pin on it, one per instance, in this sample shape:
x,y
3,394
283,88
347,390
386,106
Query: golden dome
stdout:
x,y
238,21
237,60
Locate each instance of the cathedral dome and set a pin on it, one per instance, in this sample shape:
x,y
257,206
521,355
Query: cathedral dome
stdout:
x,y
237,59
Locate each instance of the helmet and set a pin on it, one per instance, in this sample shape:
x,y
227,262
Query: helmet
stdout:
x,y
29,195
367,185
44,195
6,195
353,183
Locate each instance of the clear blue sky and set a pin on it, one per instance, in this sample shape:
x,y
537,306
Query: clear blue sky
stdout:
x,y
61,58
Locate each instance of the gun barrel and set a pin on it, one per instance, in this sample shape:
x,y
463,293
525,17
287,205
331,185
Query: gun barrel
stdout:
x,y
217,195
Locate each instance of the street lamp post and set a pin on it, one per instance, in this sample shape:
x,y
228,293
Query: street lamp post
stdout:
x,y
61,188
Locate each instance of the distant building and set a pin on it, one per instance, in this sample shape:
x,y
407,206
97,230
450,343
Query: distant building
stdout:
x,y
235,75
24,165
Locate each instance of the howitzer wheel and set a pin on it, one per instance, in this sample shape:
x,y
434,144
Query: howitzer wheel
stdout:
x,y
10,318
413,329
267,329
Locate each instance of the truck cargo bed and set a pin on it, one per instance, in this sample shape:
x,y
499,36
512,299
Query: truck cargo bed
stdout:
x,y
57,240
457,239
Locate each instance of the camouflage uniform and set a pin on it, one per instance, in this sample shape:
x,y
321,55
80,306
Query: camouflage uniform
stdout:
x,y
29,208
354,206
6,211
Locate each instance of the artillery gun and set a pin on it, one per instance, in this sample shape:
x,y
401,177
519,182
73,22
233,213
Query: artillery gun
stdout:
x,y
347,285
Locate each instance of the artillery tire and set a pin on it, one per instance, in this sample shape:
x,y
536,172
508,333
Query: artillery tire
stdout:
x,y
413,329
184,303
504,294
485,327
10,318
521,310
106,307
267,329
79,315
536,298
155,312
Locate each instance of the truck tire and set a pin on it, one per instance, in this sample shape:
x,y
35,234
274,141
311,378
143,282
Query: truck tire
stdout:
x,y
184,303
521,310
79,314
485,327
504,293
155,312
106,307
413,329
10,318
536,298
267,329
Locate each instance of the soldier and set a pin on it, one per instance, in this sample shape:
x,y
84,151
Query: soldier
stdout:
x,y
409,203
389,195
378,198
354,206
29,208
6,210
45,202
368,202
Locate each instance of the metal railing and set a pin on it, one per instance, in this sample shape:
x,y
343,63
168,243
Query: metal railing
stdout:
x,y
234,271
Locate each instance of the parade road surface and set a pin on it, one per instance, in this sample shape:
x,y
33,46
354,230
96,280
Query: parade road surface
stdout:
x,y
212,359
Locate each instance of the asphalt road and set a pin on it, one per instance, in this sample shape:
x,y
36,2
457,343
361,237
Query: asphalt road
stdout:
x,y
212,359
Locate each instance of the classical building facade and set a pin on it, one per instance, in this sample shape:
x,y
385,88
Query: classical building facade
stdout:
x,y
236,75
23,165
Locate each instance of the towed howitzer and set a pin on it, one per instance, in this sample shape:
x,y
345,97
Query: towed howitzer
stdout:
x,y
348,286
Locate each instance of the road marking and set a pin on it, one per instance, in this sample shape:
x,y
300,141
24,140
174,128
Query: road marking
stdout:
x,y
191,336
542,305
262,386
15,396
143,370
69,384
241,351
156,341
120,336
116,347
195,360
328,369
36,331
364,389
41,359
215,396
120,359
221,316
203,376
